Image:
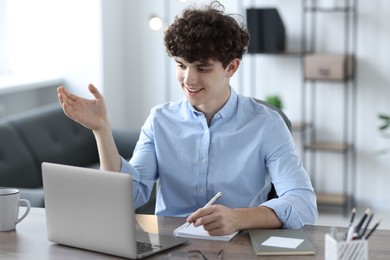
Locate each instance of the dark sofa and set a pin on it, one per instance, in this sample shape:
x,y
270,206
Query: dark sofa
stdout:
x,y
46,135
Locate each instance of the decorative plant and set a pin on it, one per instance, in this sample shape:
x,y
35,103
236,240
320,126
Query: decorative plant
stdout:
x,y
275,100
386,123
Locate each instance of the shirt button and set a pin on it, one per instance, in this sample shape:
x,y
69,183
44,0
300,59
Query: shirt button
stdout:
x,y
204,160
201,189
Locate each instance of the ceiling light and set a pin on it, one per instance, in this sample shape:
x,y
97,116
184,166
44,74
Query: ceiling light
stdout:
x,y
155,23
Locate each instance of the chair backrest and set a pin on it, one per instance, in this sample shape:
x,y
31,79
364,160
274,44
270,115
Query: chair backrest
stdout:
x,y
281,113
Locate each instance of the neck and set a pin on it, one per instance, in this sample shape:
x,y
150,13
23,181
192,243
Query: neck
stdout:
x,y
209,110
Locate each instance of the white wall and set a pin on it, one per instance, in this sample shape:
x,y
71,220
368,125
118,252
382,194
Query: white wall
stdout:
x,y
373,98
4,66
48,40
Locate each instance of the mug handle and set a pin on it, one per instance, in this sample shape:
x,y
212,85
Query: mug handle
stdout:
x,y
28,205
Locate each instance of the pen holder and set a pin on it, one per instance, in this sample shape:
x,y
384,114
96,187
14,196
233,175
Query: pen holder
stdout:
x,y
340,250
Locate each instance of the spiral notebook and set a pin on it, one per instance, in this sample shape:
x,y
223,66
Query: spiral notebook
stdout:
x,y
189,231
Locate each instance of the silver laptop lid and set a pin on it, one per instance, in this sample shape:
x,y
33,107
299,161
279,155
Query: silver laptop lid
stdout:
x,y
90,209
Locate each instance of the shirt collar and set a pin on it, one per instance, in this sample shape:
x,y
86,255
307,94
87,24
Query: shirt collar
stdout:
x,y
229,106
225,111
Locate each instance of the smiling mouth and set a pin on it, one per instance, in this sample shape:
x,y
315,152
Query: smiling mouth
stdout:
x,y
193,90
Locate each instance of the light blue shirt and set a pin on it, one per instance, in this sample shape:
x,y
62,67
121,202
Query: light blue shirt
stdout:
x,y
246,146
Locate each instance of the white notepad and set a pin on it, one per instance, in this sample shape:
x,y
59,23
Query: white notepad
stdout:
x,y
199,233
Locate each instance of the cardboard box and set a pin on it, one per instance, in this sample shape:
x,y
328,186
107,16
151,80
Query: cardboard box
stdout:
x,y
328,66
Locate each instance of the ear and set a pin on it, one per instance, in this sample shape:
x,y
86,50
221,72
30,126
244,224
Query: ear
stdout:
x,y
232,67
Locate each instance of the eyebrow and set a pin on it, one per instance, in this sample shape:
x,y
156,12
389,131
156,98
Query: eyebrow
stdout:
x,y
200,64
205,64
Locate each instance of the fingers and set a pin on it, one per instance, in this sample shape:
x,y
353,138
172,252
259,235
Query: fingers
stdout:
x,y
193,217
215,229
211,222
61,95
67,100
64,96
94,91
214,219
201,216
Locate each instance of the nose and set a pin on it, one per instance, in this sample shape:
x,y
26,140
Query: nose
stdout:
x,y
190,77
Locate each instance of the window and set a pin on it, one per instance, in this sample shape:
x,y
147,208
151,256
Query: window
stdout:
x,y
47,38
4,67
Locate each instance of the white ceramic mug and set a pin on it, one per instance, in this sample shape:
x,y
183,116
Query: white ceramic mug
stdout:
x,y
10,202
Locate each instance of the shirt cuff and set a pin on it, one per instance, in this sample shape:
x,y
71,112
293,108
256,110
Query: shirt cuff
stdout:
x,y
126,167
285,212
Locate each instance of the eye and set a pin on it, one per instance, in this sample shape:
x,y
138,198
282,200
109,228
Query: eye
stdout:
x,y
181,66
204,69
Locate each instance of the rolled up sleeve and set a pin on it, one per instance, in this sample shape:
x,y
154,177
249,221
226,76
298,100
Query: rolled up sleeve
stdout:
x,y
295,209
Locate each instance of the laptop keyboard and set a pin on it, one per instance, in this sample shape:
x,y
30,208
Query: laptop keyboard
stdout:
x,y
143,247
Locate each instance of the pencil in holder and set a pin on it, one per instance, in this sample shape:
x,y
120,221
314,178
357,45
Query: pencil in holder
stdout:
x,y
341,250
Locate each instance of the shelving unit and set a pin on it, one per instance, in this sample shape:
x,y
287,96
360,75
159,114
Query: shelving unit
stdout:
x,y
313,145
310,128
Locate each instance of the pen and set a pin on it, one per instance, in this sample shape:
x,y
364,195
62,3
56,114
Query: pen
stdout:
x,y
372,230
351,233
351,223
219,194
216,196
366,226
352,216
360,224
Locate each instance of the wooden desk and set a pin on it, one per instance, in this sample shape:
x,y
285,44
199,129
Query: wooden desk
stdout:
x,y
29,241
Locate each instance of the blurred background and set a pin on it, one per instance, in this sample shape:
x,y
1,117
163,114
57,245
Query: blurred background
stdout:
x,y
45,43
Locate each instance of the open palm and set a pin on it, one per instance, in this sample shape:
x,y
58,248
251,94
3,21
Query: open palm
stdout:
x,y
91,113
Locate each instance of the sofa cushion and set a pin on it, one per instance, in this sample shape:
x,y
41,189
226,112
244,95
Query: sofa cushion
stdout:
x,y
34,196
17,166
126,140
52,137
46,134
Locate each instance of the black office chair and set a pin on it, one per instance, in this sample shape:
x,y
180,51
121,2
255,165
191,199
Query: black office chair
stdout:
x,y
149,207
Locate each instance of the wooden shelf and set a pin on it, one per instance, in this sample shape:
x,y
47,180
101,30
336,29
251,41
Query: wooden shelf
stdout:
x,y
331,147
300,126
332,199
286,53
330,9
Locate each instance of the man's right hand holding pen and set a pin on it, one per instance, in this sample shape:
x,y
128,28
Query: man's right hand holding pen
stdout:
x,y
208,216
220,220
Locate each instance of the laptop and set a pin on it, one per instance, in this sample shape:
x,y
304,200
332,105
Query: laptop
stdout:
x,y
94,210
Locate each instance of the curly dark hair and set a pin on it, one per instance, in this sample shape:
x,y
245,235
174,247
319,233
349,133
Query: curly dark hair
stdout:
x,y
206,33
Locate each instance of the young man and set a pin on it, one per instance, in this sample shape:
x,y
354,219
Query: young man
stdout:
x,y
212,141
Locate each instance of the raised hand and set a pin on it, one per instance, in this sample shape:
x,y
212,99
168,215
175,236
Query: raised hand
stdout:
x,y
91,113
